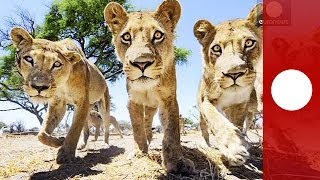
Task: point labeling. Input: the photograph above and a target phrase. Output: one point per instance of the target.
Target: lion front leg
(55, 114)
(204, 129)
(148, 119)
(228, 137)
(173, 159)
(66, 153)
(137, 120)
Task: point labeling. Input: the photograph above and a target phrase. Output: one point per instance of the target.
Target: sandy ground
(24, 157)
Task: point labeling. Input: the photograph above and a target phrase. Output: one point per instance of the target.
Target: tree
(17, 126)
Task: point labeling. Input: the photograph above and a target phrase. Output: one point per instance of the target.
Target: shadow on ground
(82, 166)
(212, 166)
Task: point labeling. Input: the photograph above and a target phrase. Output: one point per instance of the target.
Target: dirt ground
(24, 157)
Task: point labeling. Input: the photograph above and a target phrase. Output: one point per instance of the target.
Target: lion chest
(232, 96)
(145, 97)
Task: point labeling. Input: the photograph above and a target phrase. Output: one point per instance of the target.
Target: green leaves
(181, 55)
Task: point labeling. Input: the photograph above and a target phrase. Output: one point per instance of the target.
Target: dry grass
(25, 157)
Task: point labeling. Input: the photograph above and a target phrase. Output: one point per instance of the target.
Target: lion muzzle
(40, 81)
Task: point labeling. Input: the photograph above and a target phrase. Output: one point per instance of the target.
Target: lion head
(44, 65)
(144, 40)
(231, 49)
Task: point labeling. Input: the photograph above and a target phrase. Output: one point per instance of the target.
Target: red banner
(291, 41)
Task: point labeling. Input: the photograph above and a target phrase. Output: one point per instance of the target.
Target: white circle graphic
(291, 90)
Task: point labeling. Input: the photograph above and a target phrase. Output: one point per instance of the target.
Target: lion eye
(29, 60)
(57, 64)
(158, 36)
(249, 44)
(217, 49)
(126, 37)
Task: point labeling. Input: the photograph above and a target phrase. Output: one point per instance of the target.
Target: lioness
(96, 121)
(144, 44)
(58, 73)
(231, 51)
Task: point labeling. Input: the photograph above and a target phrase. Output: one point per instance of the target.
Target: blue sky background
(216, 11)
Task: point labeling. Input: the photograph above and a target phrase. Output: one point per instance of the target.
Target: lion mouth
(144, 78)
(39, 97)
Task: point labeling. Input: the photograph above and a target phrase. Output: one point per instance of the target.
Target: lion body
(58, 73)
(144, 44)
(96, 121)
(227, 95)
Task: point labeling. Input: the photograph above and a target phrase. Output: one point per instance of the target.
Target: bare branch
(13, 109)
(114, 74)
(8, 88)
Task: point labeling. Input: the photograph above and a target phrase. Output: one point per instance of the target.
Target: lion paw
(237, 156)
(235, 149)
(64, 157)
(182, 166)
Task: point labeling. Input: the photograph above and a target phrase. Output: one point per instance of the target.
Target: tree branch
(114, 74)
(8, 88)
(13, 109)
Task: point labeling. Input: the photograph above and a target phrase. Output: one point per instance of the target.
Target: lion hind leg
(116, 125)
(104, 109)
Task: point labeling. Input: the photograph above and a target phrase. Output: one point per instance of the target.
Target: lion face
(144, 40)
(44, 65)
(231, 50)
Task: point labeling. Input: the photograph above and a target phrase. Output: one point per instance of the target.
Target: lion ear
(256, 15)
(20, 36)
(115, 16)
(280, 45)
(202, 31)
(169, 13)
(72, 56)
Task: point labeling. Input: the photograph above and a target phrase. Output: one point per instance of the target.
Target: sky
(188, 75)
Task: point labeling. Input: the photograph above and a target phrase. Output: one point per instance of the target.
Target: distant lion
(96, 121)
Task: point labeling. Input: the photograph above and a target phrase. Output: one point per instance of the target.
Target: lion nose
(234, 76)
(39, 88)
(142, 65)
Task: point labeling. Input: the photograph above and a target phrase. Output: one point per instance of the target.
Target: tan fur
(96, 121)
(182, 124)
(227, 93)
(148, 62)
(58, 73)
